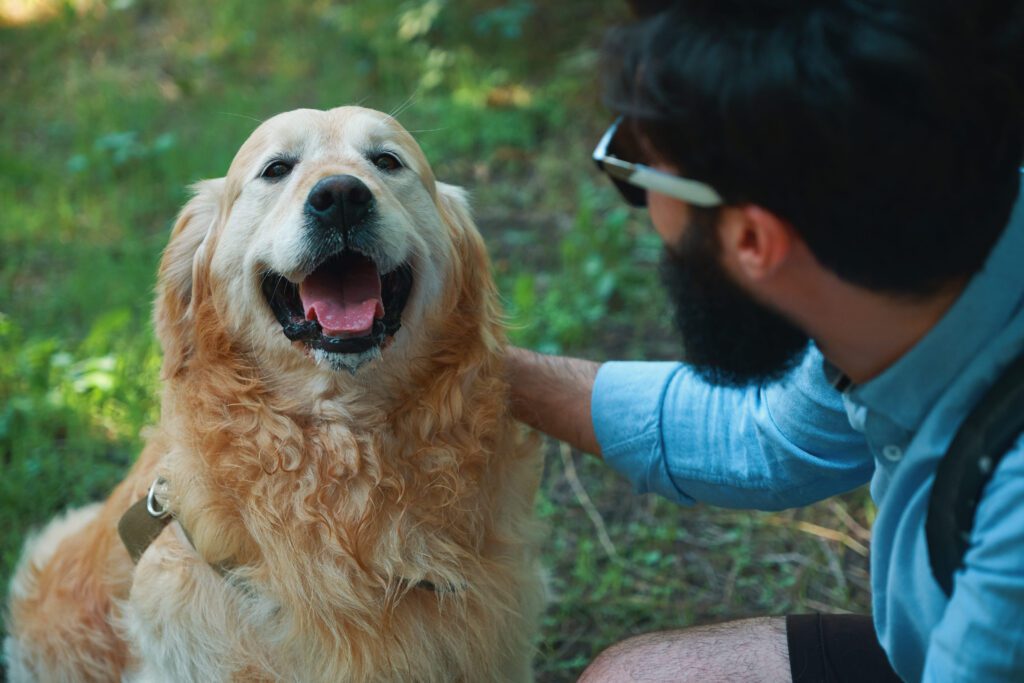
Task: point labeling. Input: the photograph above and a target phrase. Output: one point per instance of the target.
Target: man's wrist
(552, 394)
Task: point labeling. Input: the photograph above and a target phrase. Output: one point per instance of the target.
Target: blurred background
(111, 108)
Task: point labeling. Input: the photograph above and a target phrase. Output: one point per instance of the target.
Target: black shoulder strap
(983, 438)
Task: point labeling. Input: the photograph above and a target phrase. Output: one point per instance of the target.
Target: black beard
(729, 338)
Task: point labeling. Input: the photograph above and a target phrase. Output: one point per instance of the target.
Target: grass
(110, 114)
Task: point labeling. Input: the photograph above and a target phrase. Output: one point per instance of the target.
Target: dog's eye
(277, 169)
(386, 161)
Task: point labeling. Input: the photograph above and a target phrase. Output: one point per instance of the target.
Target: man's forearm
(552, 394)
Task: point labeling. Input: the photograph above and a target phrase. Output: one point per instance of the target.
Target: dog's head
(327, 246)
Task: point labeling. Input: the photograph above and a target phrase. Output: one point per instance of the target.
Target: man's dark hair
(888, 132)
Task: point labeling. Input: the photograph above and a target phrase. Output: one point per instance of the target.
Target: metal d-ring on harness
(986, 434)
(144, 521)
(155, 509)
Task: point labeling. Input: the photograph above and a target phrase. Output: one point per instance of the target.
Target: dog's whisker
(394, 113)
(240, 116)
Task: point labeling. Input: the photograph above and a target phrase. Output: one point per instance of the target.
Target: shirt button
(892, 453)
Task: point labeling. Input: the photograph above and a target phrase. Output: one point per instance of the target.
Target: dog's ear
(471, 260)
(454, 202)
(475, 294)
(172, 312)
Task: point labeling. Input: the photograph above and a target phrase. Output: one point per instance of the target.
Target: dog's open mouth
(344, 306)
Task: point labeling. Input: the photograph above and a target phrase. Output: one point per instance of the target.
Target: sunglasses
(633, 180)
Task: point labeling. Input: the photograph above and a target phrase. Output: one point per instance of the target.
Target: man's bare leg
(748, 651)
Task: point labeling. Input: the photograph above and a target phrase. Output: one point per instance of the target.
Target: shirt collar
(836, 377)
(907, 389)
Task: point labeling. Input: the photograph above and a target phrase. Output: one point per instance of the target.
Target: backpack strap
(984, 437)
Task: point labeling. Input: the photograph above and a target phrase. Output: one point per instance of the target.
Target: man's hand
(552, 394)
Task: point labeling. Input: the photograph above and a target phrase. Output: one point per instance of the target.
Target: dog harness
(146, 519)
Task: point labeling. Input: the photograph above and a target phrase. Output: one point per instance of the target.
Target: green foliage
(112, 151)
(70, 417)
(668, 567)
(595, 283)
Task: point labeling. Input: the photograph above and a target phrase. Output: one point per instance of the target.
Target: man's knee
(749, 650)
(625, 660)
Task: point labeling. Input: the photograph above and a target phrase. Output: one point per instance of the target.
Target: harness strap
(984, 437)
(143, 522)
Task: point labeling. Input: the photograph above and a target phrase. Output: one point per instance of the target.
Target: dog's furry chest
(353, 594)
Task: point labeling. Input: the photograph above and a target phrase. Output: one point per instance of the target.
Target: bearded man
(837, 185)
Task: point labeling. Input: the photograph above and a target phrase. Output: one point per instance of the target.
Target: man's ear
(755, 242)
(172, 311)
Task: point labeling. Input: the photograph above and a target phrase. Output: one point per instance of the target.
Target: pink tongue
(344, 296)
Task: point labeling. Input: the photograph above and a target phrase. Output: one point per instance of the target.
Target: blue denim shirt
(800, 440)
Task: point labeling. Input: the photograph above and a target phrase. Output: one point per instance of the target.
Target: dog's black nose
(340, 202)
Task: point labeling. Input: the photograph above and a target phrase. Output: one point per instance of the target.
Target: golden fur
(327, 494)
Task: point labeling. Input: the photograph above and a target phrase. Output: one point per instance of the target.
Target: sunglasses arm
(689, 191)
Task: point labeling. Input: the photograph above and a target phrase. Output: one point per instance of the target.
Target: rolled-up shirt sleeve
(783, 445)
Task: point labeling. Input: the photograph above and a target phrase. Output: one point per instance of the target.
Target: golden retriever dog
(348, 496)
